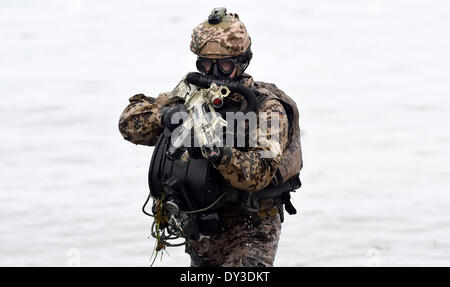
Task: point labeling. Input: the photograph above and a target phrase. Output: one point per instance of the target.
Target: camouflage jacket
(242, 168)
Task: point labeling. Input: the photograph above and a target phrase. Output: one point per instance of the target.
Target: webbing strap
(274, 191)
(250, 200)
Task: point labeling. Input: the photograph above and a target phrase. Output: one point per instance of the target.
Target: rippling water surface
(371, 79)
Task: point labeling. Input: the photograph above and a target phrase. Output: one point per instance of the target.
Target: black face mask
(217, 68)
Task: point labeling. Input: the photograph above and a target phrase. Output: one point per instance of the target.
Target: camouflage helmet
(222, 35)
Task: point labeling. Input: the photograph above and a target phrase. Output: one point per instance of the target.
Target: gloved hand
(196, 153)
(168, 112)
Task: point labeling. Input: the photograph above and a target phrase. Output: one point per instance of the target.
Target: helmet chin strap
(239, 72)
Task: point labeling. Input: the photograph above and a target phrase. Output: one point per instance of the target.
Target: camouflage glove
(167, 114)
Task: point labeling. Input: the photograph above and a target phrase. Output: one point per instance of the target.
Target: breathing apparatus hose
(205, 82)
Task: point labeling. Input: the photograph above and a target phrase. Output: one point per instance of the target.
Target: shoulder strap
(264, 97)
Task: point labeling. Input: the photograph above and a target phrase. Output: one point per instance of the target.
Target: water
(371, 79)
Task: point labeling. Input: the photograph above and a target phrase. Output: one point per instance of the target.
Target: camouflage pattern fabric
(243, 245)
(140, 122)
(288, 167)
(246, 169)
(229, 38)
(243, 168)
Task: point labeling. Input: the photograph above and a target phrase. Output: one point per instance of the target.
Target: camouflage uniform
(253, 240)
(242, 245)
(140, 123)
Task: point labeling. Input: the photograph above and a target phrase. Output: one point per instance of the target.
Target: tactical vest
(292, 161)
(199, 184)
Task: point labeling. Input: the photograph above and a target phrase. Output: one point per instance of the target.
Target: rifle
(200, 104)
(202, 95)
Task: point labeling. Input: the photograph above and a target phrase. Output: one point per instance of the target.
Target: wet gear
(242, 169)
(184, 184)
(242, 177)
(195, 194)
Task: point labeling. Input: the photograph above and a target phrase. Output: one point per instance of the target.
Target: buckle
(295, 182)
(251, 204)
